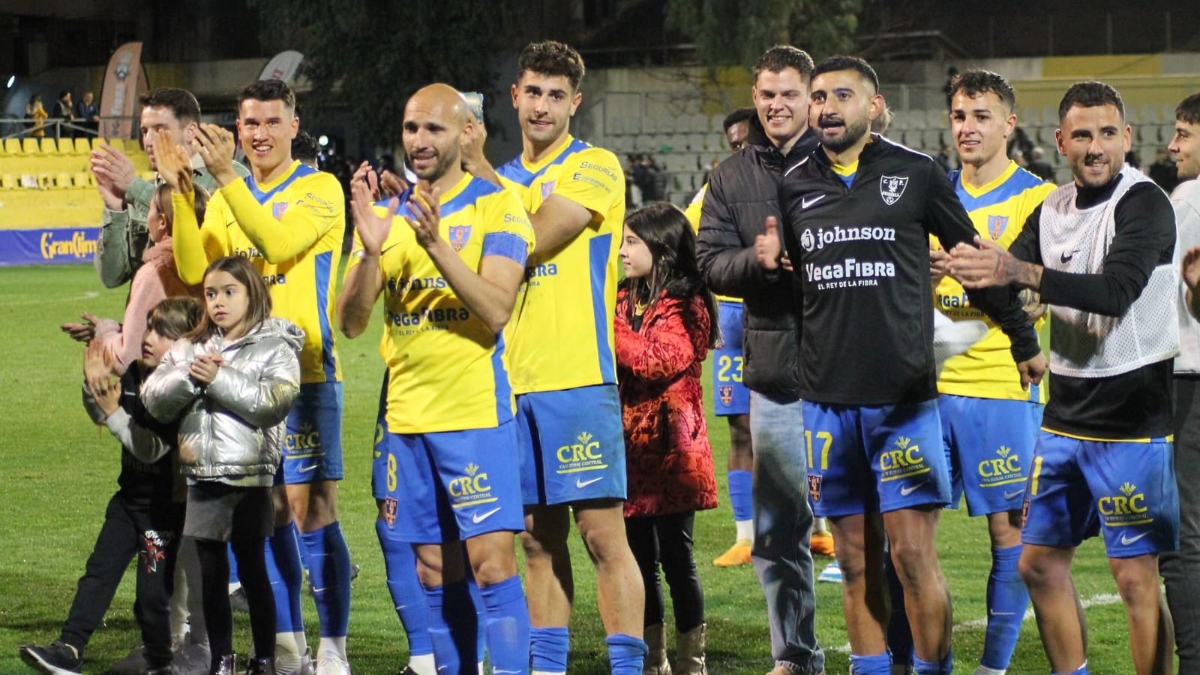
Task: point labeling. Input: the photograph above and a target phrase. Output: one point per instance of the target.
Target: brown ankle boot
(689, 651)
(656, 662)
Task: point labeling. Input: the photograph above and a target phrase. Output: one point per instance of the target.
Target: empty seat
(30, 146)
(8, 182)
(82, 146)
(84, 179)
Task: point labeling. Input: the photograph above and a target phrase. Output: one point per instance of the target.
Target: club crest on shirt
(996, 225)
(548, 188)
(726, 393)
(814, 487)
(278, 209)
(891, 188)
(391, 506)
(459, 234)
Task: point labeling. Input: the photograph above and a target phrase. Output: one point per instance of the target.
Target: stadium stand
(49, 184)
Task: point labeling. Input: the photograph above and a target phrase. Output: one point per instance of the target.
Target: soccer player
(731, 398)
(743, 192)
(449, 264)
(858, 213)
(288, 218)
(563, 370)
(1099, 251)
(1181, 570)
(127, 197)
(990, 422)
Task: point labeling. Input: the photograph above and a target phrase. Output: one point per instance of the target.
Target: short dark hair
(180, 102)
(834, 64)
(174, 317)
(976, 82)
(738, 116)
(268, 90)
(305, 148)
(1090, 95)
(551, 58)
(779, 57)
(1189, 110)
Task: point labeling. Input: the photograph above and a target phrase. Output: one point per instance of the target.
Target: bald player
(448, 258)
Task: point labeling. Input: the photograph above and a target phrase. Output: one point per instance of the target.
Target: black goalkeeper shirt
(862, 256)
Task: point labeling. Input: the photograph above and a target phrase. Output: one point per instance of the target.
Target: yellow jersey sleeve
(197, 245)
(986, 370)
(294, 227)
(593, 179)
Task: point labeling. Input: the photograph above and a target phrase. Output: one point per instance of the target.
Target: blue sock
(480, 613)
(329, 569)
(879, 664)
(946, 666)
(287, 578)
(740, 485)
(400, 563)
(1007, 598)
(233, 575)
(507, 626)
(453, 629)
(626, 654)
(1081, 671)
(550, 647)
(899, 633)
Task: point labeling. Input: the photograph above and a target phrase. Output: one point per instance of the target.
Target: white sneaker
(951, 338)
(832, 574)
(332, 663)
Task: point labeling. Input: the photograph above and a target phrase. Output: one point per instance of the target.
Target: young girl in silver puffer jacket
(231, 383)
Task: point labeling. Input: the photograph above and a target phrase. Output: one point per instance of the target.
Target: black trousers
(667, 541)
(1181, 569)
(151, 533)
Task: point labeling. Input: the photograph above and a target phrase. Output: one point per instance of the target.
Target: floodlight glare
(323, 140)
(11, 79)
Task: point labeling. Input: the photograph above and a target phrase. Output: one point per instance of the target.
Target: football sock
(549, 647)
(408, 597)
(507, 625)
(626, 654)
(1007, 598)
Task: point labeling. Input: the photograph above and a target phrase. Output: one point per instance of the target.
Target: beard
(852, 134)
(445, 160)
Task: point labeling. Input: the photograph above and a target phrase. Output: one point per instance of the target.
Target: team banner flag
(123, 82)
(282, 67)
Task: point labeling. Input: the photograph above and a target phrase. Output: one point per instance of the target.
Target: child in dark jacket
(663, 329)
(145, 517)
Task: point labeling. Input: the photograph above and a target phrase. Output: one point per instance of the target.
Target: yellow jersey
(291, 230)
(693, 212)
(999, 211)
(446, 369)
(563, 336)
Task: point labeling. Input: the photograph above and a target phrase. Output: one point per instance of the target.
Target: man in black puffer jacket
(742, 193)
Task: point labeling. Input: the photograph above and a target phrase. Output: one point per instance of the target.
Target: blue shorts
(572, 445)
(730, 396)
(874, 459)
(1077, 486)
(990, 444)
(312, 450)
(452, 485)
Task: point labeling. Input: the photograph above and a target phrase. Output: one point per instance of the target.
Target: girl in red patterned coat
(663, 330)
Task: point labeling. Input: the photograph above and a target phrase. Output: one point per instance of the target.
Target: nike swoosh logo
(1067, 258)
(992, 612)
(1125, 541)
(478, 518)
(306, 469)
(809, 201)
(909, 489)
(580, 483)
(1013, 495)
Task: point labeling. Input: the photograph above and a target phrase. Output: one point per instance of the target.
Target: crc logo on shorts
(726, 393)
(390, 506)
(1003, 469)
(304, 443)
(471, 489)
(585, 455)
(814, 487)
(459, 236)
(903, 460)
(1127, 508)
(891, 188)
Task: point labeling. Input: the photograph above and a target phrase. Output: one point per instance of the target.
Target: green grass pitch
(57, 471)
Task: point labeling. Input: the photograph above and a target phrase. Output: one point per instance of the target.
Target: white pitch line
(1097, 600)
